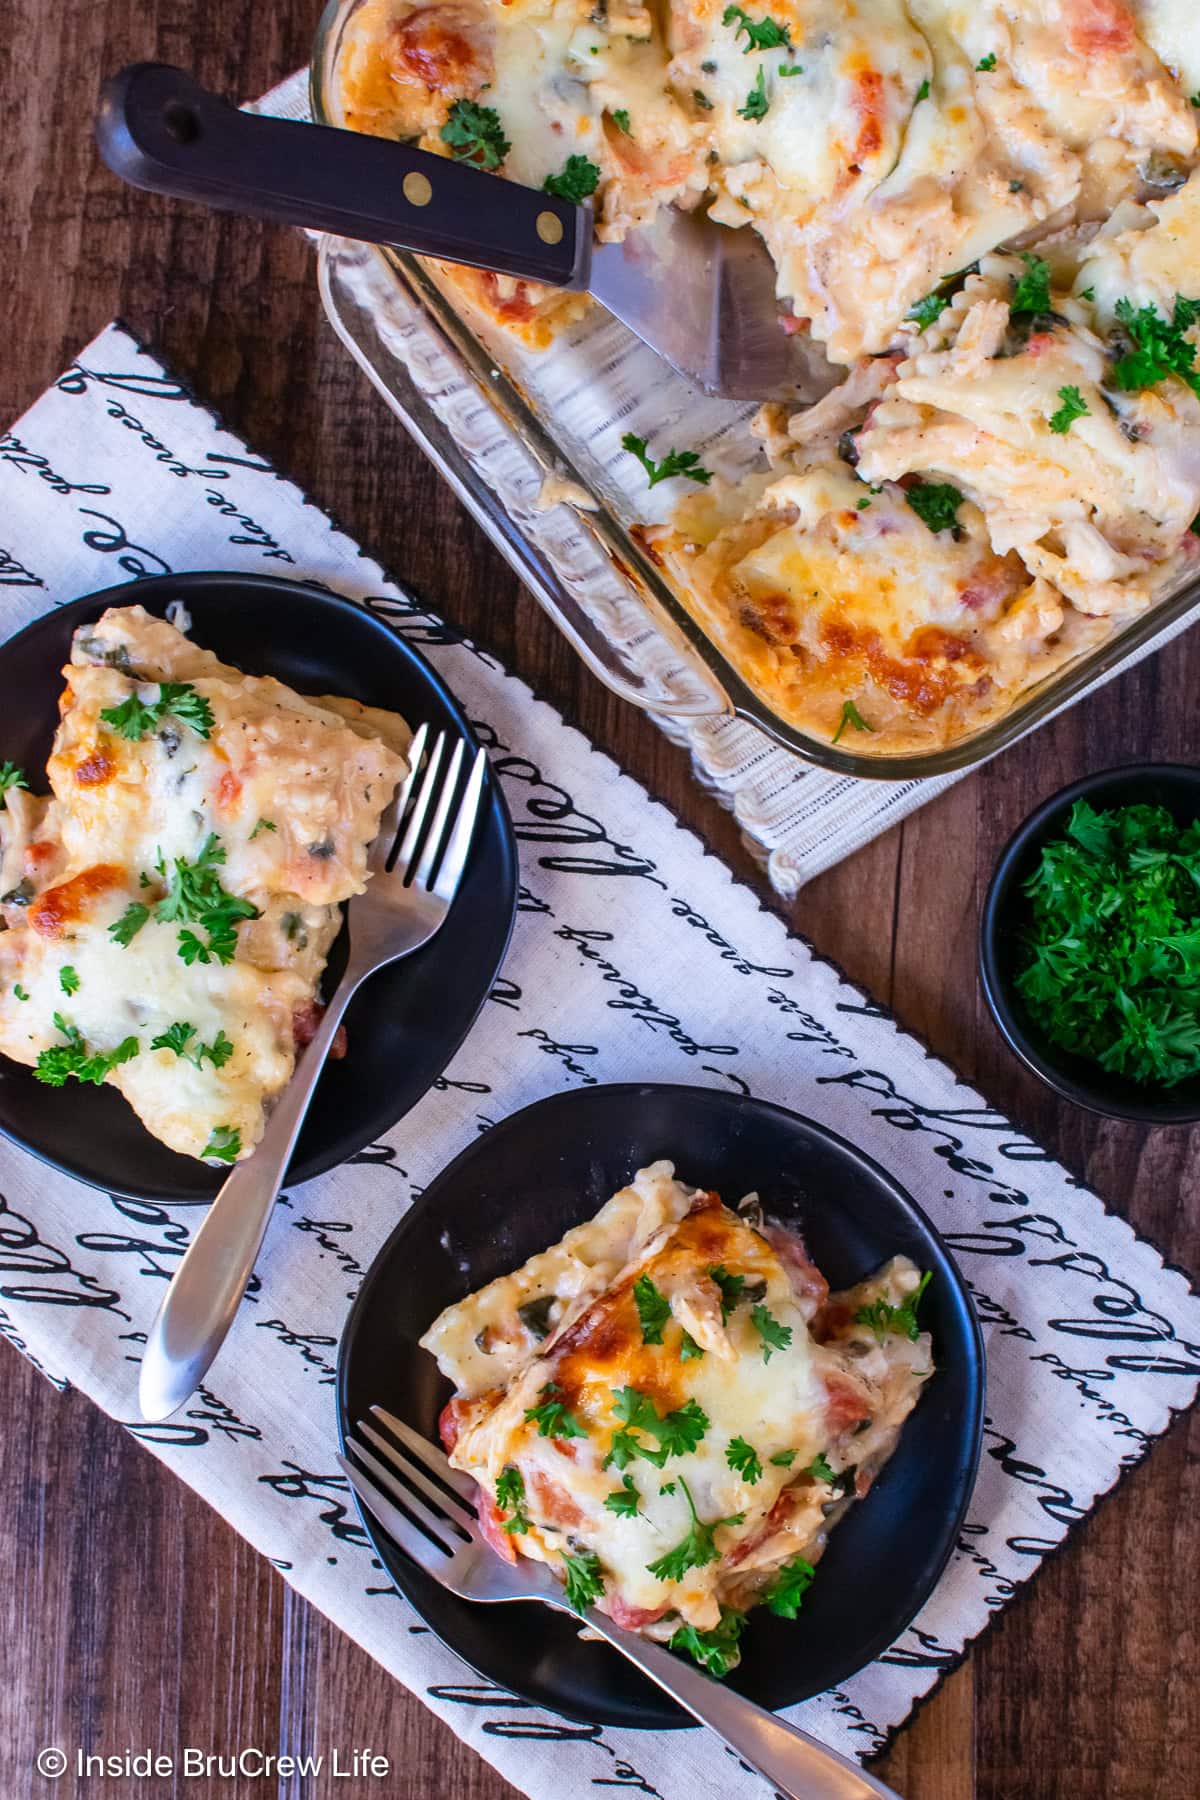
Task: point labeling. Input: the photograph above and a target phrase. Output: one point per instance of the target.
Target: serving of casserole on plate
(988, 215)
(170, 905)
(670, 1409)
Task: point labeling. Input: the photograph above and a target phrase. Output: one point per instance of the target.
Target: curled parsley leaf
(696, 1549)
(676, 462)
(551, 1417)
(126, 928)
(744, 1460)
(883, 1317)
(774, 1335)
(474, 134)
(68, 980)
(675, 1434)
(224, 1144)
(1031, 291)
(820, 1470)
(134, 718)
(1073, 407)
(757, 103)
(178, 1038)
(731, 1288)
(625, 1501)
(510, 1498)
(936, 504)
(73, 1057)
(789, 1587)
(653, 1309)
(577, 181)
(715, 1650)
(11, 777)
(585, 1583)
(1158, 347)
(761, 34)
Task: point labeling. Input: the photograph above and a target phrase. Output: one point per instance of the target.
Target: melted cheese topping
(567, 1325)
(291, 790)
(877, 146)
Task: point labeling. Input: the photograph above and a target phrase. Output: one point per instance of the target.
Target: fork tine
(454, 1506)
(437, 830)
(432, 1455)
(414, 1543)
(454, 861)
(446, 1532)
(389, 824)
(421, 805)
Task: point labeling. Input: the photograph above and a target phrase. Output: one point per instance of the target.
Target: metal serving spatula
(699, 294)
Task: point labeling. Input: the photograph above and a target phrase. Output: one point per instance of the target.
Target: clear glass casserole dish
(530, 441)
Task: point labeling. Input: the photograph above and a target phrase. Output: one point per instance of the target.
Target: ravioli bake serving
(168, 909)
(987, 211)
(671, 1410)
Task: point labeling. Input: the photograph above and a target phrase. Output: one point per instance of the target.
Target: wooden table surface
(130, 1615)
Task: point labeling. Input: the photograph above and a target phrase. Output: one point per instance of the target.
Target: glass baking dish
(508, 426)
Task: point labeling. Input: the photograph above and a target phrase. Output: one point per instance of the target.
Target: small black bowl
(1007, 915)
(517, 1189)
(406, 1022)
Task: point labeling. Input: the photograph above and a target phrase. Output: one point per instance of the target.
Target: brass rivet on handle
(417, 188)
(549, 228)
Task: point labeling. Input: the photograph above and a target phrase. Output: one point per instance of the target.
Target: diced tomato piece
(846, 1405)
(633, 1618)
(1097, 26)
(808, 1284)
(553, 1502)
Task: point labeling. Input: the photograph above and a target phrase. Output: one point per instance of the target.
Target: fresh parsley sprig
(820, 1470)
(510, 1498)
(744, 1460)
(696, 1549)
(789, 1587)
(715, 1650)
(134, 718)
(676, 462)
(675, 1434)
(761, 34)
(551, 1417)
(11, 777)
(883, 1317)
(653, 1309)
(936, 504)
(625, 1501)
(68, 980)
(474, 134)
(577, 181)
(1073, 407)
(73, 1057)
(731, 1288)
(774, 1335)
(195, 896)
(1158, 347)
(585, 1584)
(1031, 291)
(757, 103)
(178, 1038)
(224, 1144)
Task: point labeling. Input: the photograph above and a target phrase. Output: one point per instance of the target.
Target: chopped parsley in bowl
(1090, 943)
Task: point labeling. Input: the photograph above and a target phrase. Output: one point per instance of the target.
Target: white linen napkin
(636, 952)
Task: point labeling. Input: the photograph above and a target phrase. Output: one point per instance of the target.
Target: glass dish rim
(645, 584)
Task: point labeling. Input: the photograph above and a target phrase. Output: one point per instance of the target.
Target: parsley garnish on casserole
(677, 1490)
(169, 908)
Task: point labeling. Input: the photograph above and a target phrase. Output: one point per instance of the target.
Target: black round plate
(516, 1190)
(405, 1023)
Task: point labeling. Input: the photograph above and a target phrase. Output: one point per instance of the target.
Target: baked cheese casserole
(987, 211)
(168, 907)
(670, 1409)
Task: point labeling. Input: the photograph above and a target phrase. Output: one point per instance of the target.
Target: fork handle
(800, 1766)
(207, 1287)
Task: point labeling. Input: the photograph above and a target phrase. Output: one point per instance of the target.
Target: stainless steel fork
(406, 900)
(429, 1509)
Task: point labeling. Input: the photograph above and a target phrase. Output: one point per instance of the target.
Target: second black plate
(405, 1023)
(516, 1190)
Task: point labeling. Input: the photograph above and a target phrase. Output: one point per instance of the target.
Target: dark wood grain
(129, 1614)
